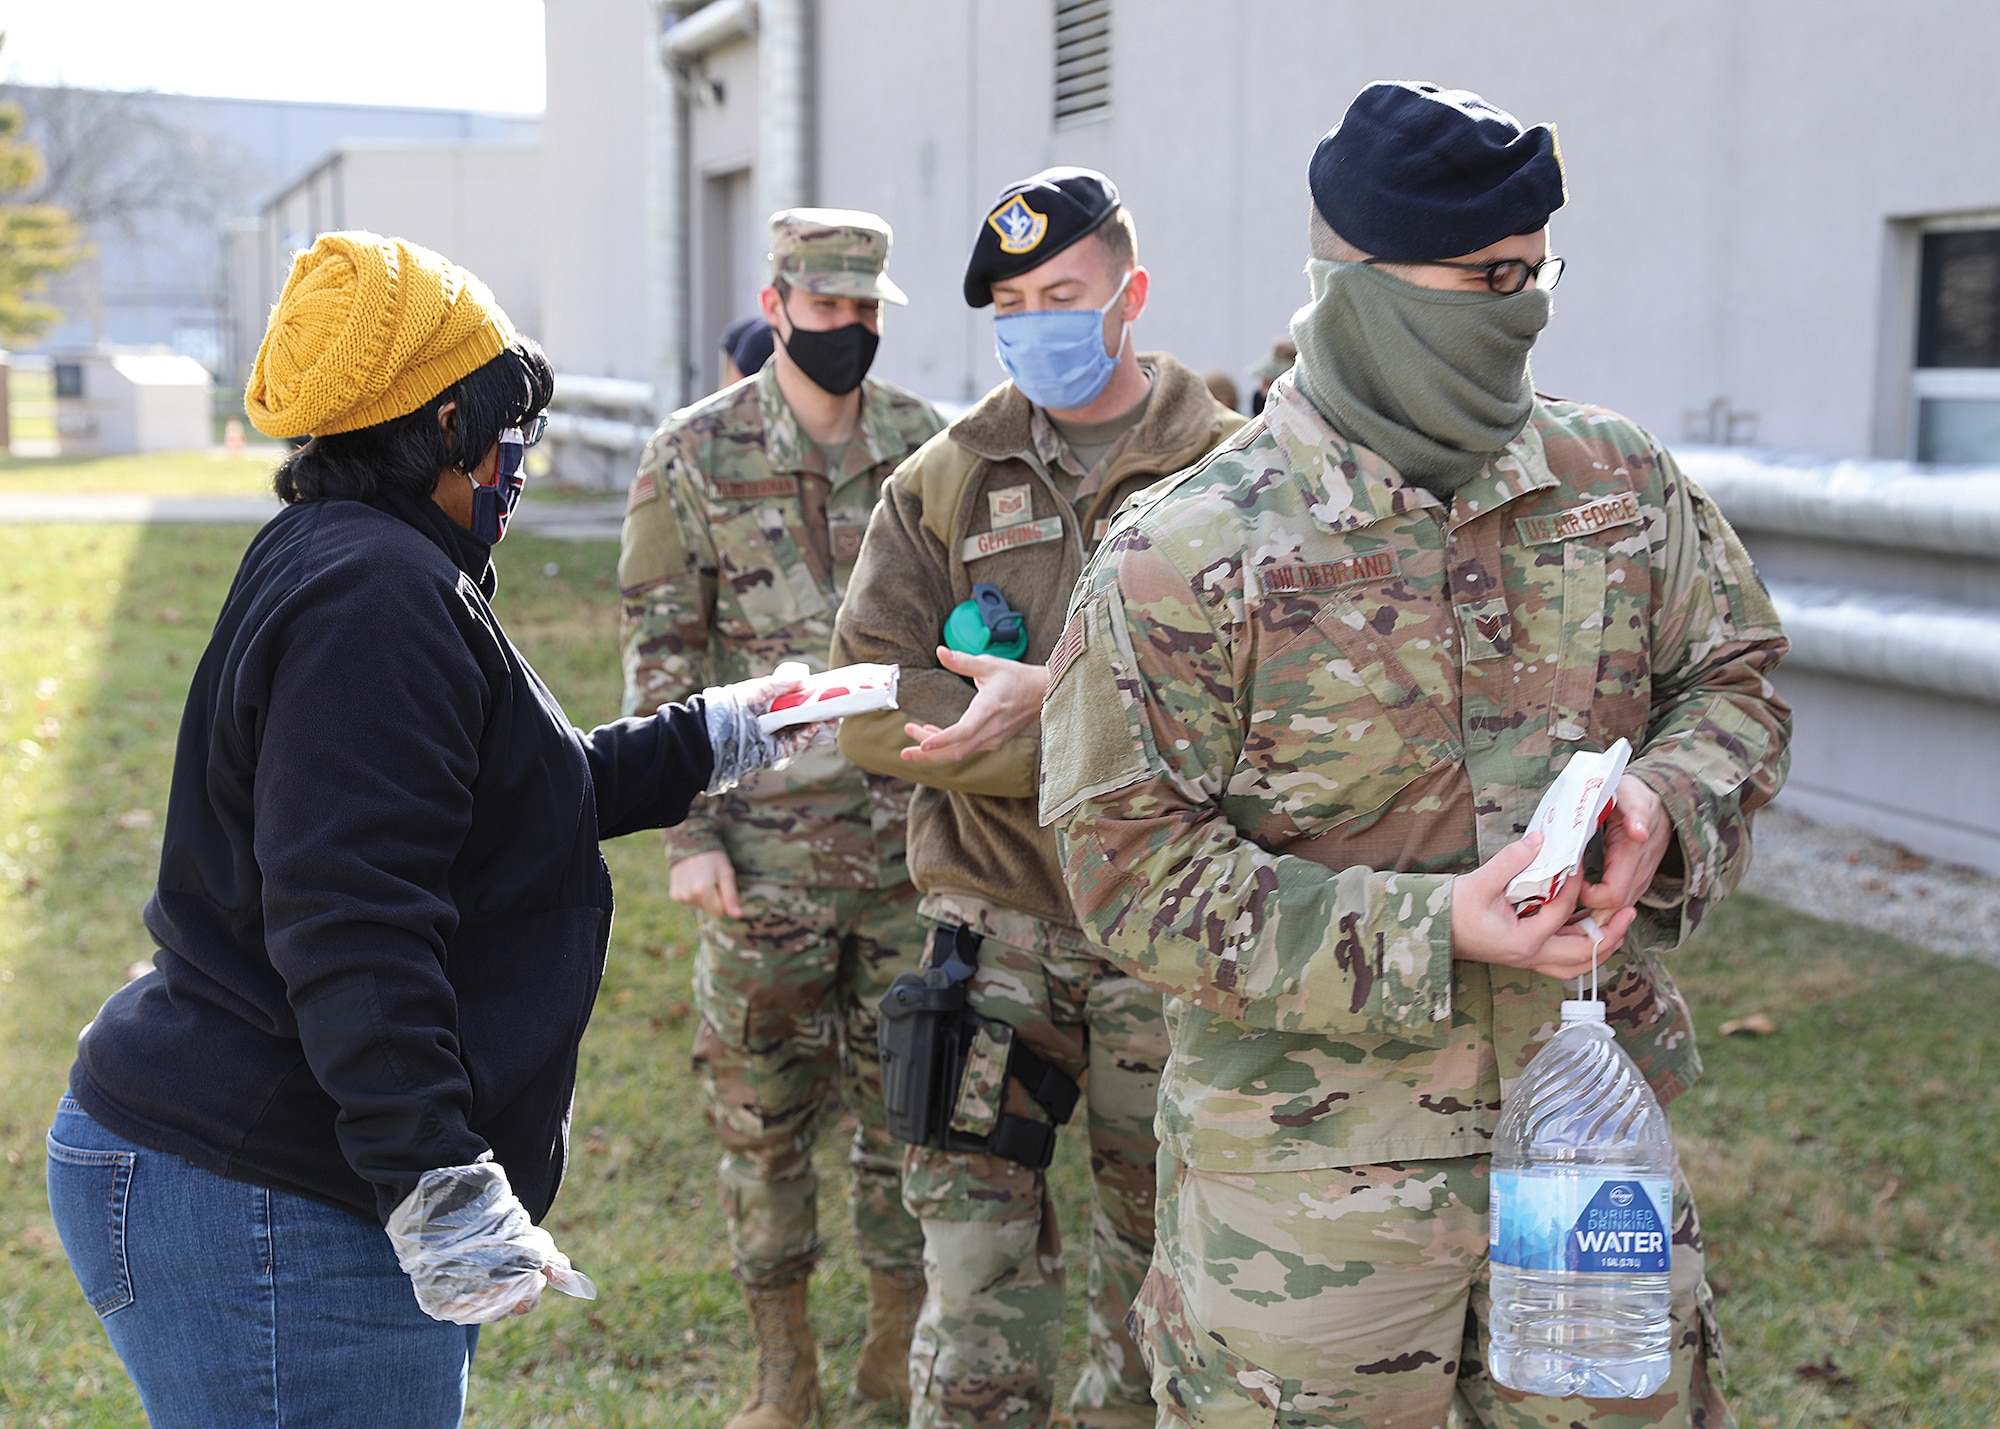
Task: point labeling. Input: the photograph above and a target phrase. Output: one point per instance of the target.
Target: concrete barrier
(598, 427)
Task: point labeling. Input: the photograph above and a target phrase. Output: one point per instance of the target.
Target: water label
(1594, 1223)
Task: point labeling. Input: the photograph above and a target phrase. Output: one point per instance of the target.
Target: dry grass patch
(1845, 1166)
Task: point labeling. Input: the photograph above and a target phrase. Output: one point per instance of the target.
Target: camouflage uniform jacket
(996, 498)
(1296, 695)
(737, 548)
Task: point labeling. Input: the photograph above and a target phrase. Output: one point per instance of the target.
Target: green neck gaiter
(1433, 382)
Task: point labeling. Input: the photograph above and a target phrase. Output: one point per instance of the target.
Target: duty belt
(932, 1038)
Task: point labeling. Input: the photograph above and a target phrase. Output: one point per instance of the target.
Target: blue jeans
(235, 1306)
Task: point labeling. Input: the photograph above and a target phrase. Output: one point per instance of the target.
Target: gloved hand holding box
(850, 690)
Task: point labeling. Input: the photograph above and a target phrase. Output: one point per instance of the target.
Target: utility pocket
(1339, 726)
(1582, 641)
(89, 1191)
(764, 581)
(983, 1086)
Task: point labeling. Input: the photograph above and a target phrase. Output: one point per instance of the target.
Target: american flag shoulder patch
(1067, 649)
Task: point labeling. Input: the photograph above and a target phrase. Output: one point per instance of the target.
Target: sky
(447, 54)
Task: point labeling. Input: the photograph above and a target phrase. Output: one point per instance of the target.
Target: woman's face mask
(493, 506)
(1057, 358)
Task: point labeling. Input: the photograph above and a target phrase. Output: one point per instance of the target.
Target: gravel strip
(1844, 876)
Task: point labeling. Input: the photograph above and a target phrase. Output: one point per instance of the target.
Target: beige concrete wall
(594, 201)
(471, 202)
(1745, 176)
(1735, 167)
(475, 203)
(729, 238)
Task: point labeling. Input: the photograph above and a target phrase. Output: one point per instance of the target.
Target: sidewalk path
(563, 520)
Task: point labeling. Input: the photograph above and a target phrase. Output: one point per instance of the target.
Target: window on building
(1956, 386)
(69, 379)
(1083, 60)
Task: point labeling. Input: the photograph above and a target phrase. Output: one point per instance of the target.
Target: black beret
(1034, 220)
(1416, 172)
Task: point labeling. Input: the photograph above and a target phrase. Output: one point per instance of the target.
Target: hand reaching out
(1009, 699)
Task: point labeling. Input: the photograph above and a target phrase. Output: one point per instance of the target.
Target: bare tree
(148, 191)
(116, 160)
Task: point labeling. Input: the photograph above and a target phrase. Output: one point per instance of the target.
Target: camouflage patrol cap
(835, 252)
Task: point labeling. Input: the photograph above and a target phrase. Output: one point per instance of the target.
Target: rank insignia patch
(1020, 227)
(1010, 505)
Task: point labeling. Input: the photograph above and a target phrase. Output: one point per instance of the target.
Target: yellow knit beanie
(368, 329)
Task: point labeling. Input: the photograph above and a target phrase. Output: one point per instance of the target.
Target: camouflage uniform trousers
(788, 997)
(1356, 1297)
(991, 1329)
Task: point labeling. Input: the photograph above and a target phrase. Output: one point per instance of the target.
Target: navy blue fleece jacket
(381, 912)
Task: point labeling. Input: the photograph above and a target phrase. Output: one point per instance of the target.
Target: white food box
(1570, 811)
(850, 690)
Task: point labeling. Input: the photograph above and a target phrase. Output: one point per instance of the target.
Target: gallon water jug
(1582, 1218)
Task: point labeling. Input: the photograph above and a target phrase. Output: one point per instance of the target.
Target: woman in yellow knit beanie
(397, 363)
(304, 1158)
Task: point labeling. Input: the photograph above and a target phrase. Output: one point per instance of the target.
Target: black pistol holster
(945, 1068)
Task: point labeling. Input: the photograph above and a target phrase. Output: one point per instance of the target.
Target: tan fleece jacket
(977, 504)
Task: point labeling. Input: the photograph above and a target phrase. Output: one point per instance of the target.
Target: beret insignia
(1020, 228)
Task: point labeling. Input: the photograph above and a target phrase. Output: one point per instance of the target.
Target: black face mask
(834, 361)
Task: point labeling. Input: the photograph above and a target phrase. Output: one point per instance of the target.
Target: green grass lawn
(1847, 1175)
(205, 473)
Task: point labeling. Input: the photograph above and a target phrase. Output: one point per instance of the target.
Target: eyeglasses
(1505, 276)
(531, 431)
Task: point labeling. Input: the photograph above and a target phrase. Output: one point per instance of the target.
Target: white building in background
(187, 272)
(1783, 229)
(111, 401)
(474, 202)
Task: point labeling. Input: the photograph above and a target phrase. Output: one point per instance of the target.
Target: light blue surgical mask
(1057, 358)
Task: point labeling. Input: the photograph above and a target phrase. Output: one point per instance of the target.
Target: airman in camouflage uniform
(1003, 498)
(740, 534)
(1302, 712)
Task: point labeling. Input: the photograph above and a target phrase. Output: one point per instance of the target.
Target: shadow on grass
(104, 627)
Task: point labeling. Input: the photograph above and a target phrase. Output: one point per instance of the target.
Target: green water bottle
(987, 625)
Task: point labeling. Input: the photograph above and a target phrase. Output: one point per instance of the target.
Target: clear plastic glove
(470, 1250)
(740, 747)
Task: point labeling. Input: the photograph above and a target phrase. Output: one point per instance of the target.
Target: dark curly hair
(406, 453)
